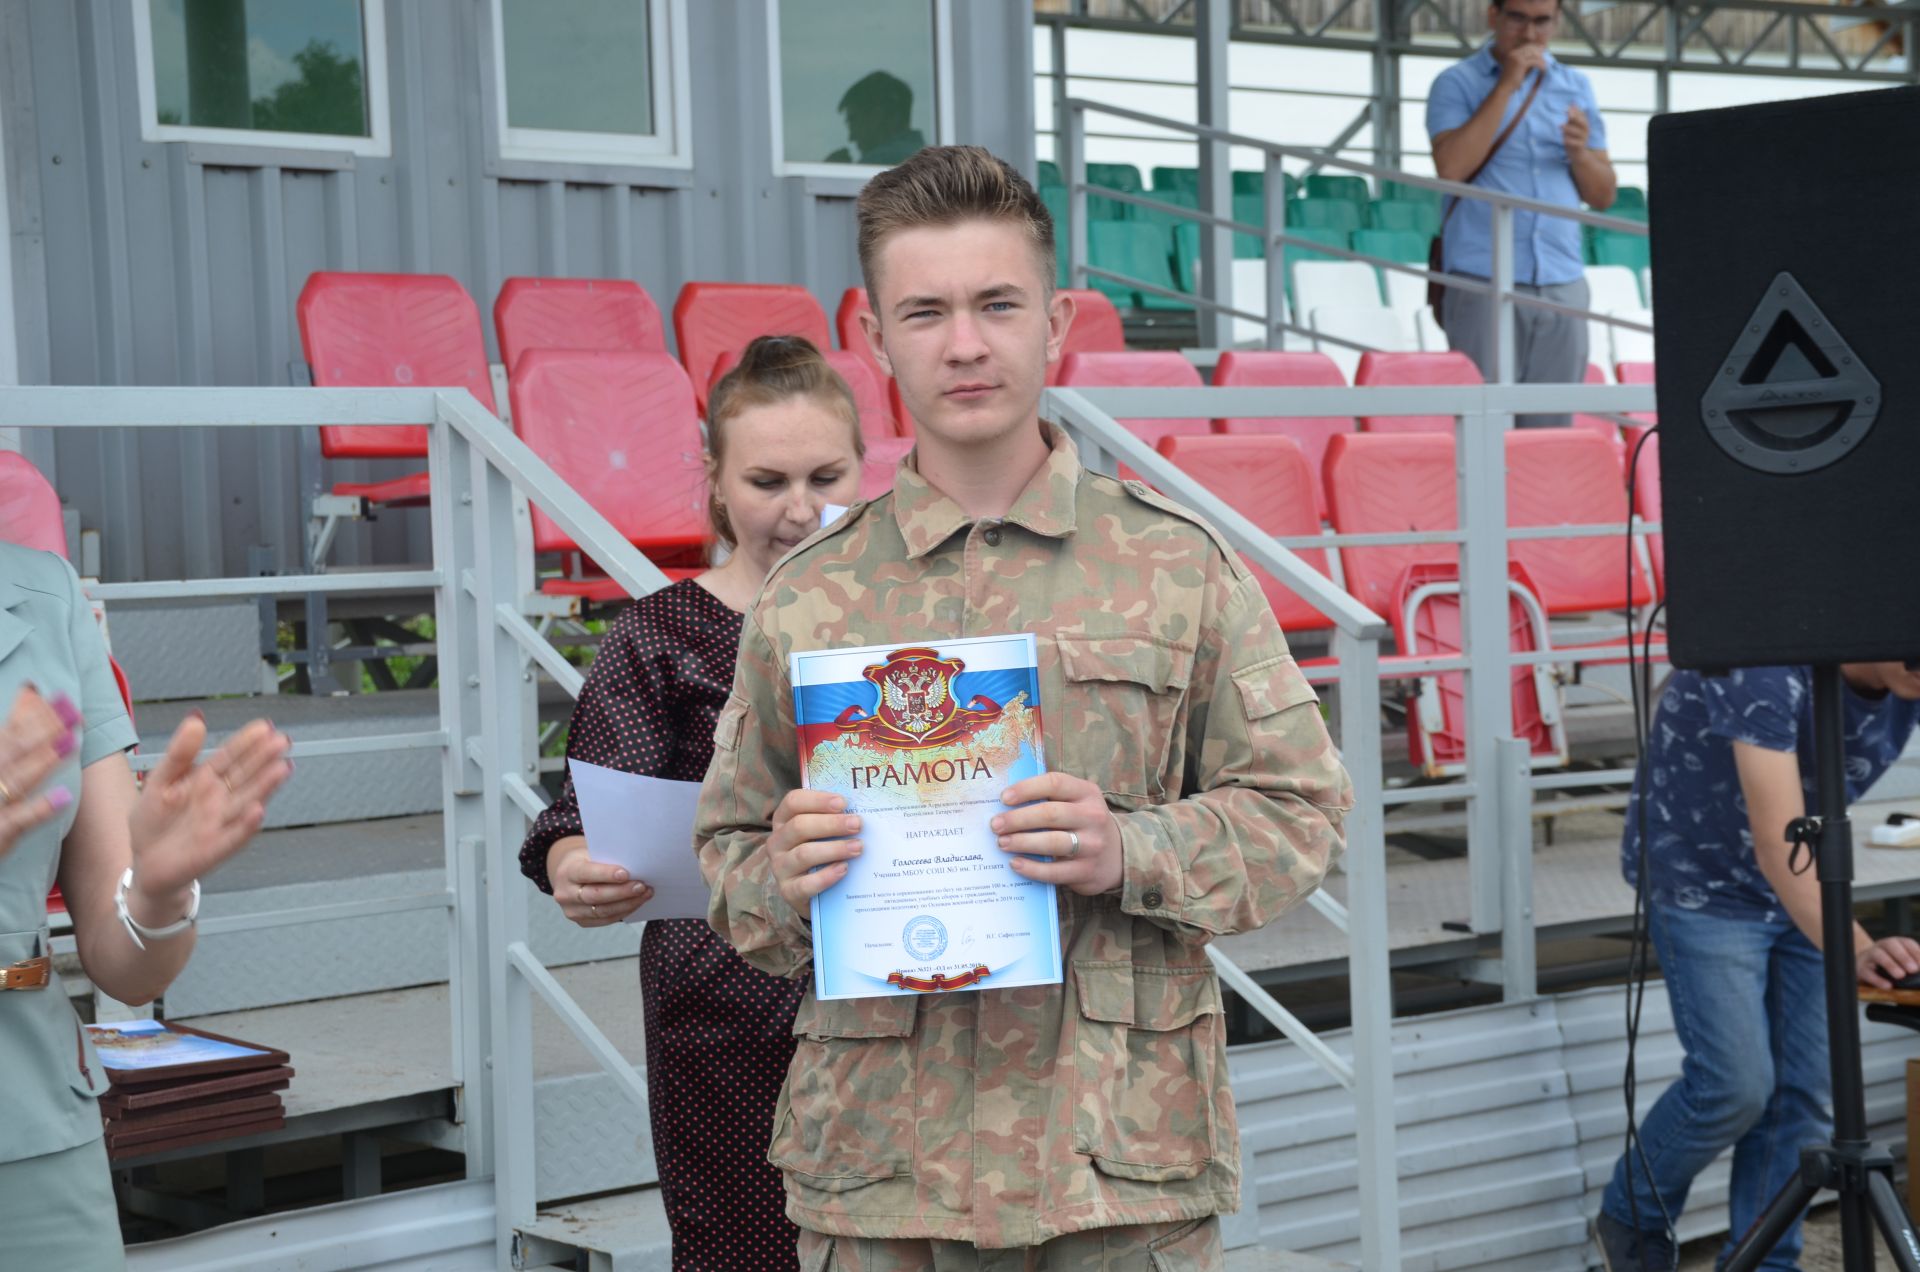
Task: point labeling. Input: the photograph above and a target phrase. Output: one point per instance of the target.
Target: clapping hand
(35, 737)
(193, 814)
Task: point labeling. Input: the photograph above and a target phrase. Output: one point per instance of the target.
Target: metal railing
(1215, 296)
(490, 655)
(1499, 781)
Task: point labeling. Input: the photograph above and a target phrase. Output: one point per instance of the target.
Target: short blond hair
(944, 185)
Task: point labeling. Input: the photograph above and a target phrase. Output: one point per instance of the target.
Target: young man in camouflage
(1194, 793)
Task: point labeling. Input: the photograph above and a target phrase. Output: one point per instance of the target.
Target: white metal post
(1369, 970)
(1502, 310)
(456, 624)
(1274, 223)
(1213, 24)
(1519, 961)
(503, 751)
(1480, 466)
(1073, 170)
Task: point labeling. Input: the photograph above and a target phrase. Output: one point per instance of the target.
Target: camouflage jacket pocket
(846, 1113)
(1123, 712)
(1143, 1100)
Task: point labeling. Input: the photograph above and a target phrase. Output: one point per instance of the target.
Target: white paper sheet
(646, 825)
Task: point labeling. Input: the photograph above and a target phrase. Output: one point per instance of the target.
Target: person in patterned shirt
(784, 441)
(1729, 763)
(1086, 1124)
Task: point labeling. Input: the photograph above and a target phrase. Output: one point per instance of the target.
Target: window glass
(294, 66)
(578, 65)
(856, 80)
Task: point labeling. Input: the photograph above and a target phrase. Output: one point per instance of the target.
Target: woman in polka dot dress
(784, 440)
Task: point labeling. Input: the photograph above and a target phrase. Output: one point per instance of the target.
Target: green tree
(329, 97)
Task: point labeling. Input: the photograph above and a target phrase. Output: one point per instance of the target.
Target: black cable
(1640, 673)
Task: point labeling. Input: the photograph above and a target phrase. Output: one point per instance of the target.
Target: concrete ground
(1821, 1254)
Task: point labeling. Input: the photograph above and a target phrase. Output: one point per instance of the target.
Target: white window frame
(943, 121)
(377, 144)
(670, 145)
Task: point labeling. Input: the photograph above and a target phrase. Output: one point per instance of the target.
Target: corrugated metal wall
(179, 263)
(1509, 1118)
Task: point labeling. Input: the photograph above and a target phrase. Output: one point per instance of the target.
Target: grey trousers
(1548, 348)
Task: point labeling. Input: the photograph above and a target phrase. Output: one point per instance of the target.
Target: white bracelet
(136, 930)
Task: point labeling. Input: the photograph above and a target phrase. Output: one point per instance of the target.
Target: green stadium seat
(1396, 214)
(1187, 179)
(1055, 197)
(1407, 246)
(1139, 251)
(1254, 182)
(1400, 192)
(1050, 173)
(1123, 177)
(1249, 209)
(1327, 185)
(1629, 197)
(1608, 247)
(1324, 214)
(1186, 253)
(1167, 221)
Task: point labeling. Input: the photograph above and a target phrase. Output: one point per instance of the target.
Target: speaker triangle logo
(1791, 395)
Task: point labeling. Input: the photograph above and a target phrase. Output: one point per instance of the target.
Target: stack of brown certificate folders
(219, 1088)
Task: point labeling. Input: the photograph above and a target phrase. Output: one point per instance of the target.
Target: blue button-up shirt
(1532, 163)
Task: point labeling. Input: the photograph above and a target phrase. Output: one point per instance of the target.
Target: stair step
(625, 1232)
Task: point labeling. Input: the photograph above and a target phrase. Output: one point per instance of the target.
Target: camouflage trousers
(1190, 1245)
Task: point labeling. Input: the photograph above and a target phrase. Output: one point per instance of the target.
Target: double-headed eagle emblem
(917, 707)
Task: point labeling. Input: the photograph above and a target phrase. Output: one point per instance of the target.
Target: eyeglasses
(1518, 21)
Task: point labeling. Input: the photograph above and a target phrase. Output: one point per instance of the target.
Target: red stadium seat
(1382, 370)
(1379, 483)
(846, 324)
(575, 313)
(1646, 497)
(1095, 329)
(1427, 624)
(621, 430)
(876, 416)
(29, 508)
(388, 331)
(710, 319)
(1637, 373)
(1599, 424)
(1137, 369)
(1571, 477)
(1287, 370)
(882, 461)
(1269, 480)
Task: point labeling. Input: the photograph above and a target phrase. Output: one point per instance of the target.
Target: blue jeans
(1749, 1005)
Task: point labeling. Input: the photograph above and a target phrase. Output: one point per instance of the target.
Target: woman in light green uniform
(128, 859)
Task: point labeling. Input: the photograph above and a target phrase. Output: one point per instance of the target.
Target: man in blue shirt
(1558, 154)
(1729, 764)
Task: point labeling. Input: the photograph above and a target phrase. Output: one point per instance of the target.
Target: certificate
(921, 741)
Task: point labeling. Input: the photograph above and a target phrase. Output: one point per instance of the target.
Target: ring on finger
(1073, 845)
(594, 910)
(6, 793)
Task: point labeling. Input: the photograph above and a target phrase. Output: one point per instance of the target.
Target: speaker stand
(1849, 1164)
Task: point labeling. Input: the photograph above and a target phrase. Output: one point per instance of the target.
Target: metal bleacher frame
(490, 655)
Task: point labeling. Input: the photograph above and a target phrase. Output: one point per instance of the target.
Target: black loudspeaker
(1787, 330)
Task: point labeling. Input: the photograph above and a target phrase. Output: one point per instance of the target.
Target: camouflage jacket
(1008, 1117)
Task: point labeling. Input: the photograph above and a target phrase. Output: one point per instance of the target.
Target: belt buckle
(32, 973)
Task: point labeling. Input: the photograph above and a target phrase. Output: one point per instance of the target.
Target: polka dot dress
(718, 1031)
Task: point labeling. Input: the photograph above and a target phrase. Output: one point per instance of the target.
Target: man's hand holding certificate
(913, 750)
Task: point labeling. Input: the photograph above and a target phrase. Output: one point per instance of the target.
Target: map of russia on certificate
(921, 741)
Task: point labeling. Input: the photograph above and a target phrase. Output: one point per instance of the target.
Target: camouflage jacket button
(992, 536)
(1151, 898)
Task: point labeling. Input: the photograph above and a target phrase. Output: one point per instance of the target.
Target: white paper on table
(644, 824)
